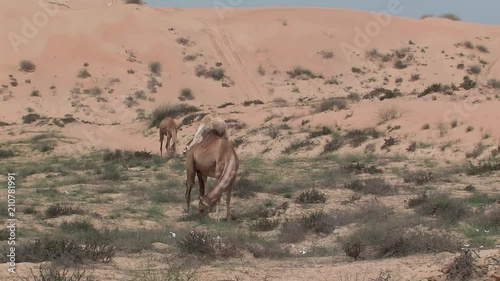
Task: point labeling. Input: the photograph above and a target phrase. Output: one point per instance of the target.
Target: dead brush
(356, 137)
(291, 232)
(69, 249)
(311, 196)
(58, 210)
(205, 244)
(371, 212)
(360, 168)
(462, 268)
(353, 247)
(321, 131)
(335, 104)
(401, 236)
(52, 273)
(449, 210)
(484, 166)
(247, 188)
(264, 224)
(418, 177)
(318, 222)
(375, 186)
(417, 201)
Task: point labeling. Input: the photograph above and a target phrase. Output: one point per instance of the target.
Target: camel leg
(228, 201)
(217, 210)
(219, 169)
(161, 144)
(201, 181)
(174, 141)
(190, 173)
(167, 145)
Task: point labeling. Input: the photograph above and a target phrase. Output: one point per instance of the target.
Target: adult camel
(213, 157)
(210, 121)
(168, 128)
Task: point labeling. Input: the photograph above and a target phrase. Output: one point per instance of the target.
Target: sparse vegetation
(353, 137)
(468, 83)
(474, 69)
(450, 16)
(83, 73)
(436, 88)
(190, 57)
(298, 144)
(183, 41)
(387, 113)
(494, 83)
(482, 48)
(356, 70)
(6, 153)
(383, 94)
(27, 66)
(332, 81)
(326, 54)
(261, 70)
(399, 64)
(415, 77)
(321, 131)
(173, 111)
(31, 117)
(250, 102)
(332, 104)
(216, 73)
(353, 97)
(312, 196)
(94, 91)
(155, 68)
(224, 105)
(301, 73)
(186, 94)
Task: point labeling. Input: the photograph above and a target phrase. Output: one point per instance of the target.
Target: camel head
(203, 207)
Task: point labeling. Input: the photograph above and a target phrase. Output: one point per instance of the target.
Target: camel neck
(214, 195)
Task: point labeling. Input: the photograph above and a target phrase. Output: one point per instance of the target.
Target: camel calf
(168, 128)
(213, 157)
(209, 121)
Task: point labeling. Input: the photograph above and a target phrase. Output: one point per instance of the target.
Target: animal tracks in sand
(225, 49)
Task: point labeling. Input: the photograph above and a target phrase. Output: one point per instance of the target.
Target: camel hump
(219, 127)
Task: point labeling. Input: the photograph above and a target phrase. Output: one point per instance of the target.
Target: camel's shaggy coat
(209, 121)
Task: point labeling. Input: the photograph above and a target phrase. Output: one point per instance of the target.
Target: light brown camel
(213, 157)
(210, 121)
(168, 128)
